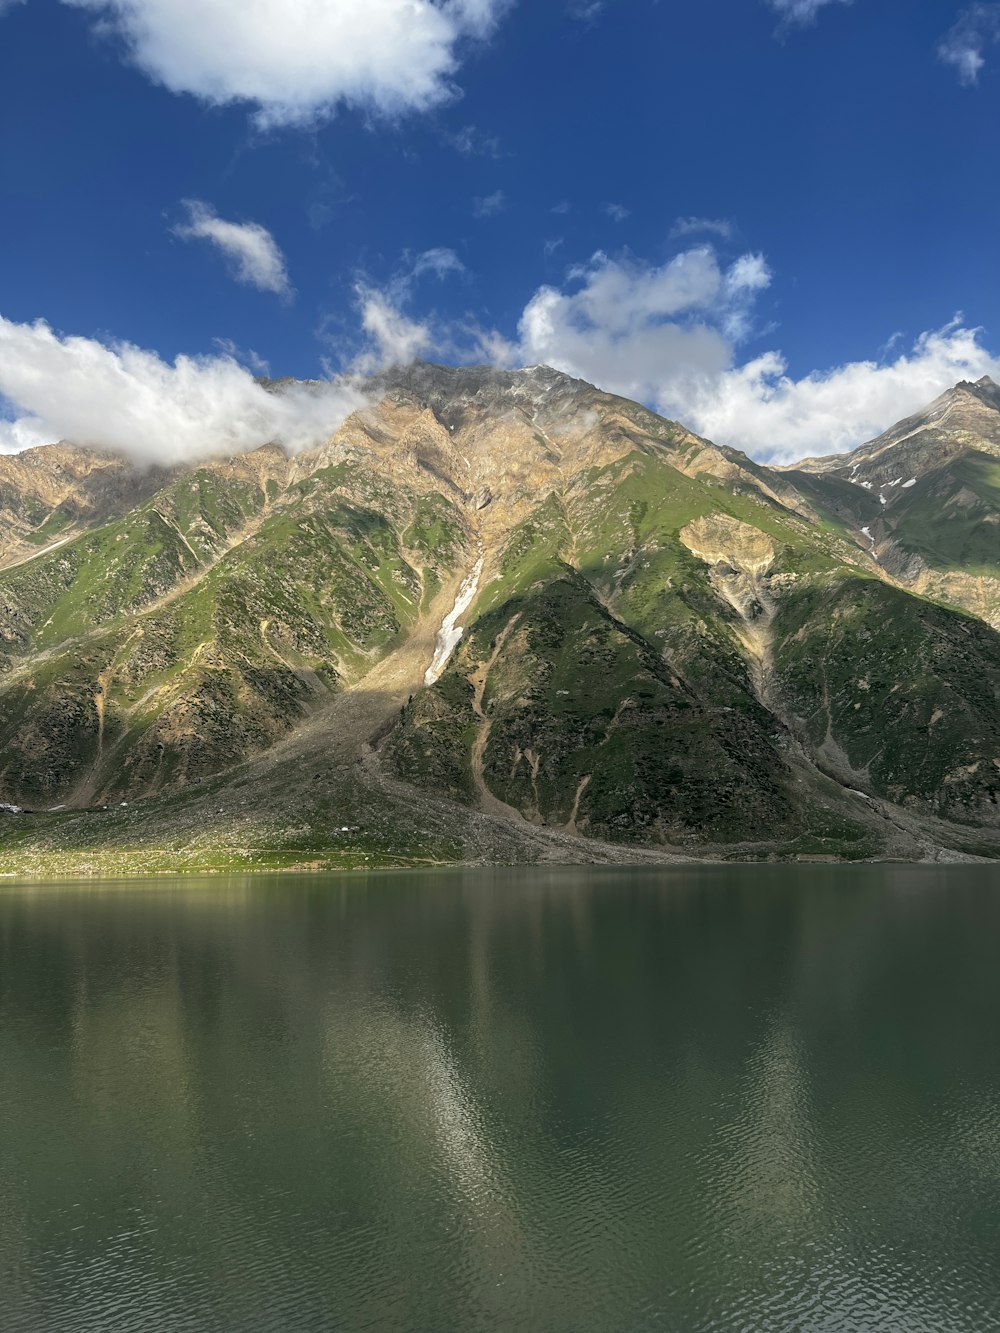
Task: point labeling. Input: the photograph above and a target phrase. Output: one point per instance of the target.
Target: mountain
(925, 498)
(668, 650)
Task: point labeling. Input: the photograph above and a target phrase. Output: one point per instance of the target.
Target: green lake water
(573, 1101)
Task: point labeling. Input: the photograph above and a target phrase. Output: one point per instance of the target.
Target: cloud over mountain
(670, 336)
(123, 398)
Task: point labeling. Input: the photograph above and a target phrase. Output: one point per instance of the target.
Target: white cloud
(617, 212)
(252, 251)
(801, 13)
(122, 398)
(389, 335)
(759, 408)
(297, 61)
(393, 338)
(473, 143)
(586, 10)
(22, 433)
(439, 261)
(5, 7)
(489, 205)
(669, 337)
(710, 226)
(964, 45)
(246, 356)
(634, 327)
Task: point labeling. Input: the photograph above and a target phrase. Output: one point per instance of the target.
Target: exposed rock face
(924, 498)
(664, 643)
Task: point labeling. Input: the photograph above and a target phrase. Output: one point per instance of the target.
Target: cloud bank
(252, 251)
(963, 46)
(122, 398)
(297, 61)
(128, 400)
(670, 336)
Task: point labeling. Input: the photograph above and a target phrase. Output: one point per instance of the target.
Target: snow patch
(908, 484)
(450, 633)
(11, 809)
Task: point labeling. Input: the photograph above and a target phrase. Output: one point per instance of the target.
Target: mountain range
(501, 617)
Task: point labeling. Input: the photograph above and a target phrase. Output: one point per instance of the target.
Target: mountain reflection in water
(707, 1099)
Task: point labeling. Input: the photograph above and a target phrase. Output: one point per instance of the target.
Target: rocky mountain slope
(667, 649)
(925, 497)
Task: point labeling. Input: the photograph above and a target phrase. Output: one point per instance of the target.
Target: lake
(580, 1101)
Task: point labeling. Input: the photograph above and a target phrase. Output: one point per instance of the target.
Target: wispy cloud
(5, 7)
(720, 227)
(474, 143)
(801, 13)
(386, 334)
(489, 205)
(297, 61)
(617, 212)
(246, 356)
(964, 46)
(586, 11)
(253, 254)
(440, 261)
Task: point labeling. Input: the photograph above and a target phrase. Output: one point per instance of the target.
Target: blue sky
(774, 219)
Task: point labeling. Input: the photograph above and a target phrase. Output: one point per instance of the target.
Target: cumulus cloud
(21, 433)
(801, 13)
(632, 326)
(963, 46)
(297, 61)
(669, 336)
(122, 398)
(761, 409)
(251, 250)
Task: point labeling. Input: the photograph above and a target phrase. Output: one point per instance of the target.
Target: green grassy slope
(620, 691)
(200, 628)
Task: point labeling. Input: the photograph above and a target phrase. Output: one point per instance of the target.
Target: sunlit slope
(200, 628)
(669, 646)
(924, 498)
